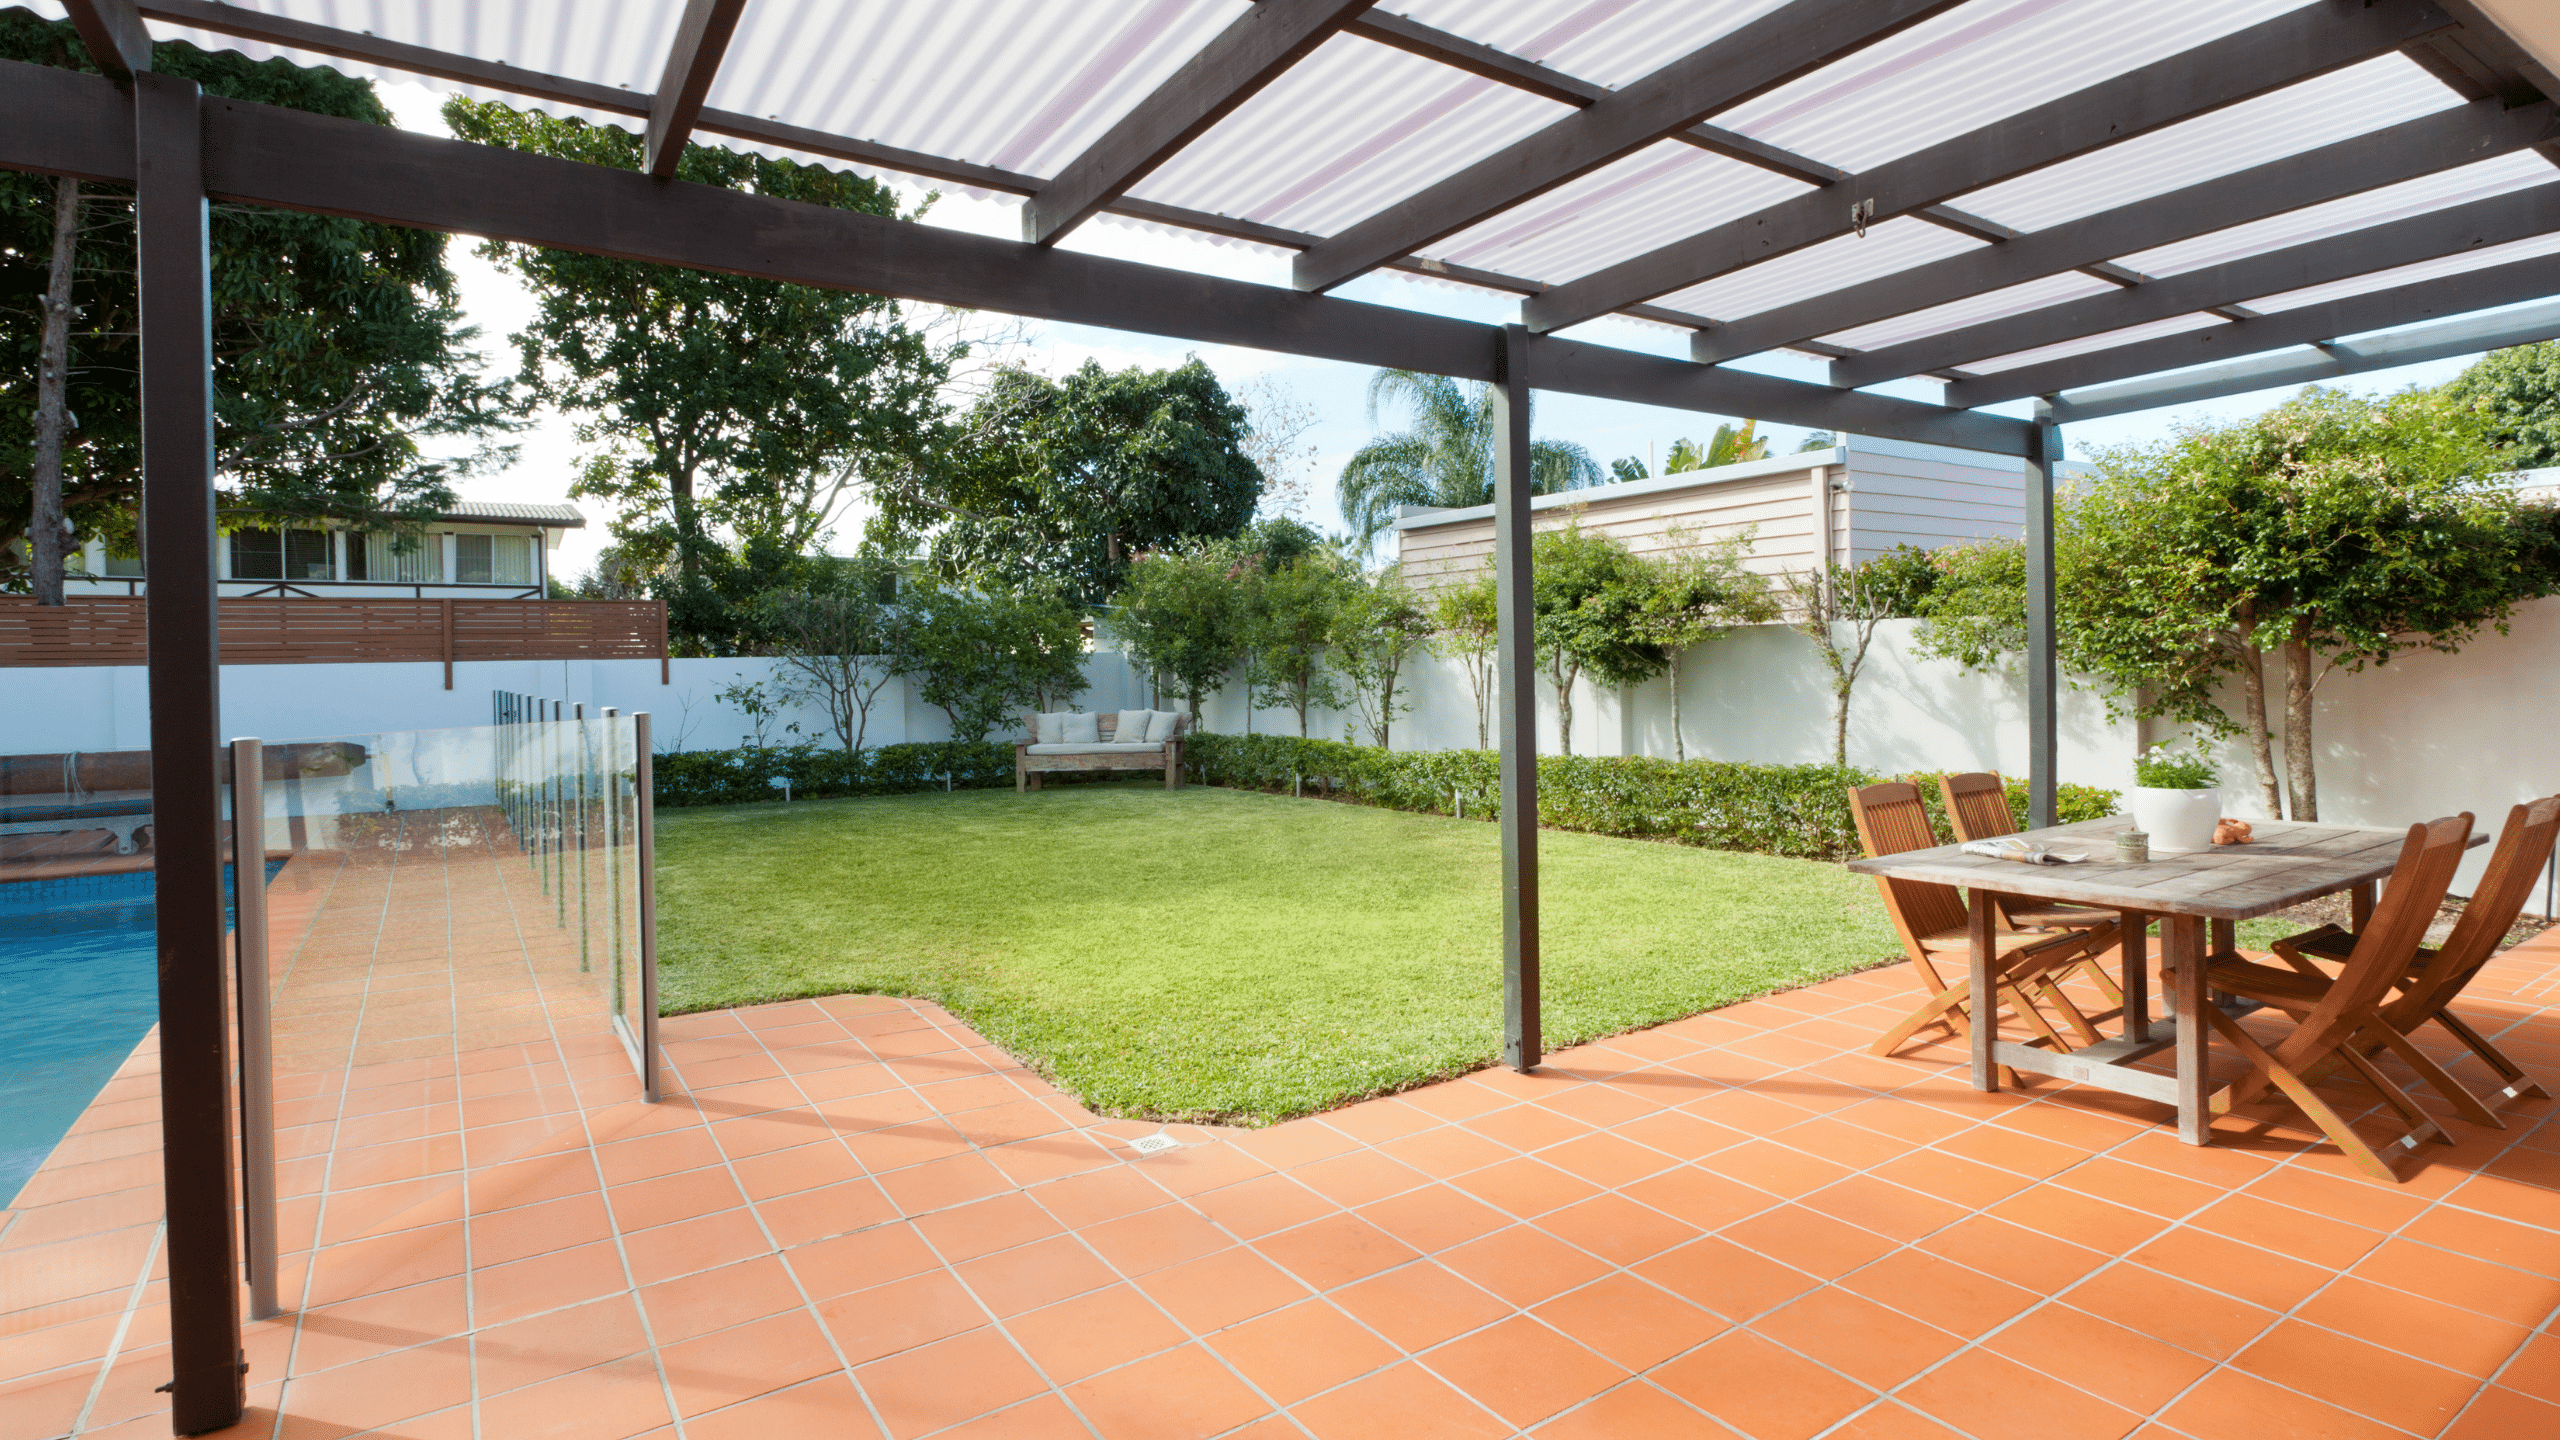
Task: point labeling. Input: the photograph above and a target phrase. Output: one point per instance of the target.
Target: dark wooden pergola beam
(1258, 48)
(64, 123)
(114, 32)
(702, 37)
(2452, 295)
(2289, 49)
(2453, 231)
(1792, 42)
(2425, 146)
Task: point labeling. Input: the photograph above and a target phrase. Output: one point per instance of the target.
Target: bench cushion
(1097, 747)
(1079, 728)
(1131, 726)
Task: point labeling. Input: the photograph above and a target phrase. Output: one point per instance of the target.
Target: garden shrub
(1793, 810)
(740, 777)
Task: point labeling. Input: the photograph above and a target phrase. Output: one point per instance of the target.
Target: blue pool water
(79, 988)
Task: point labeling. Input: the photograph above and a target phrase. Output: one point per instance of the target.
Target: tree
(1466, 627)
(1696, 594)
(1589, 592)
(1290, 616)
(2517, 394)
(1728, 446)
(1445, 458)
(1180, 615)
(1375, 632)
(1975, 609)
(841, 642)
(2333, 529)
(731, 414)
(1275, 440)
(339, 358)
(1828, 601)
(1065, 482)
(982, 656)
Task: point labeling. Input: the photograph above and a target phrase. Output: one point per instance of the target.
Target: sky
(549, 454)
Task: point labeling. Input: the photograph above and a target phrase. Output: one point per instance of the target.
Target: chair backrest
(2524, 843)
(1891, 819)
(2390, 938)
(1977, 806)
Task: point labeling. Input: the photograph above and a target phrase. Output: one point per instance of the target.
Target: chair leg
(1946, 1007)
(2358, 1153)
(2520, 1086)
(2422, 1126)
(2464, 1103)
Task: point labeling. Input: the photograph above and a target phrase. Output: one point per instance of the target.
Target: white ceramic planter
(2176, 819)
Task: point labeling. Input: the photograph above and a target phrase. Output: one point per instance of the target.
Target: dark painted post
(2044, 447)
(1516, 703)
(185, 675)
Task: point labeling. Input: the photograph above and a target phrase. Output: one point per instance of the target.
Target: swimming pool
(79, 988)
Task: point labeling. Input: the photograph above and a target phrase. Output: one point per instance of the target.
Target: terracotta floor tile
(2169, 1309)
(1524, 1265)
(711, 1300)
(939, 1385)
(1404, 1402)
(1843, 1143)
(1153, 1239)
(1952, 1297)
(546, 1282)
(361, 1329)
(384, 1390)
(2502, 1414)
(1759, 1389)
(1221, 1289)
(1705, 1200)
(2455, 1279)
(1285, 1147)
(1031, 1162)
(966, 1232)
(1335, 1251)
(2024, 1257)
(527, 1352)
(1084, 1200)
(2442, 1334)
(1884, 1207)
(1808, 1240)
(2132, 1370)
(2534, 1370)
(804, 1167)
(530, 1230)
(2231, 1402)
(1857, 1337)
(1992, 1397)
(607, 1403)
(389, 1262)
(826, 1408)
(1380, 1120)
(2101, 1225)
(1434, 1217)
(1779, 1169)
(1522, 1370)
(1524, 1187)
(1887, 1420)
(1093, 1332)
(1029, 1276)
(840, 1209)
(1628, 1321)
(845, 1263)
(2485, 1237)
(1616, 1229)
(1610, 1160)
(1301, 1350)
(941, 1184)
(628, 1160)
(2370, 1381)
(2008, 1148)
(1042, 1417)
(1953, 1178)
(1359, 1178)
(900, 1316)
(2261, 1277)
(1725, 1278)
(2357, 1201)
(1420, 1305)
(1610, 1102)
(2317, 1239)
(1196, 1168)
(1180, 1395)
(1632, 1409)
(1259, 1206)
(1448, 1151)
(689, 1245)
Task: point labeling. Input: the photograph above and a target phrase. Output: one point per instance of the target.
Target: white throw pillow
(1162, 724)
(1045, 727)
(1079, 728)
(1132, 727)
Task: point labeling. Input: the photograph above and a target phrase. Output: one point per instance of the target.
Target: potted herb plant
(2176, 798)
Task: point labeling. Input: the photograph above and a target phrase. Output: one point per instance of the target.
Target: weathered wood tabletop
(2285, 864)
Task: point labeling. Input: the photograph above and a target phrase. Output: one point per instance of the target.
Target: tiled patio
(854, 1217)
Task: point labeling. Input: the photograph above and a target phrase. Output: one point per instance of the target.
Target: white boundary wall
(2425, 735)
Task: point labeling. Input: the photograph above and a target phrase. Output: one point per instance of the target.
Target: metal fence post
(641, 783)
(2042, 670)
(257, 1051)
(1523, 1044)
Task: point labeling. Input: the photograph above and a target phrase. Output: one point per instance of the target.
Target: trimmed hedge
(741, 777)
(1793, 810)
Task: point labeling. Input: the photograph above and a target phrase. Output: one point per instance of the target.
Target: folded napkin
(2022, 852)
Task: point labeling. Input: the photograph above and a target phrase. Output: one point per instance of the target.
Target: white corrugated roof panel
(1887, 247)
(2469, 260)
(2443, 190)
(1974, 310)
(1606, 215)
(2109, 340)
(1607, 42)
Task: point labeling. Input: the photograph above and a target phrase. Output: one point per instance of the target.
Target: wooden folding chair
(1930, 918)
(2438, 976)
(1978, 809)
(2336, 1019)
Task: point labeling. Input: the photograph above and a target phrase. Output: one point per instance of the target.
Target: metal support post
(2043, 671)
(207, 1387)
(648, 827)
(257, 1053)
(585, 758)
(1516, 703)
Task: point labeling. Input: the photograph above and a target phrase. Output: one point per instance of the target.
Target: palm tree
(1728, 447)
(1446, 458)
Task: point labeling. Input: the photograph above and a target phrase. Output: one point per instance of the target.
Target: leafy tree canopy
(1066, 481)
(1180, 615)
(345, 383)
(1445, 458)
(1590, 593)
(2517, 394)
(731, 414)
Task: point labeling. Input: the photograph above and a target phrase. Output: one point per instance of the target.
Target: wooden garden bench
(1041, 754)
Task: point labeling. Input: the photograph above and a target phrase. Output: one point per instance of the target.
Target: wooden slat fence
(108, 630)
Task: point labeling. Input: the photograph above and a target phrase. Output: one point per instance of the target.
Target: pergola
(2097, 206)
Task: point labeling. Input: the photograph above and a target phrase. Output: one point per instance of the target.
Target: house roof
(516, 512)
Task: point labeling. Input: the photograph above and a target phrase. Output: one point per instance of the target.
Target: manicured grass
(1212, 953)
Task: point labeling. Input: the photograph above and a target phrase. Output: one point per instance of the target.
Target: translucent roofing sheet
(2174, 325)
(1607, 42)
(1887, 247)
(2469, 260)
(2442, 190)
(1974, 310)
(1610, 214)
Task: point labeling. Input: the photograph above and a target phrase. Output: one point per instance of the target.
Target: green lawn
(1212, 953)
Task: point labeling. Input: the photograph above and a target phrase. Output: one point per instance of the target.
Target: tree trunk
(1564, 713)
(2299, 779)
(1840, 725)
(1678, 751)
(2253, 689)
(46, 539)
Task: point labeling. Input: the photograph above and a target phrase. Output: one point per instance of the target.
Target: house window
(385, 557)
(493, 559)
(279, 555)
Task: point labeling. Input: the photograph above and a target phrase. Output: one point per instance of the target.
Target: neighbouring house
(477, 550)
(1847, 502)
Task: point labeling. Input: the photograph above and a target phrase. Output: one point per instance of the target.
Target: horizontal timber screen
(108, 630)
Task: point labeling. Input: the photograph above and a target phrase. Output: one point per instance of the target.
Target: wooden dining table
(2198, 896)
